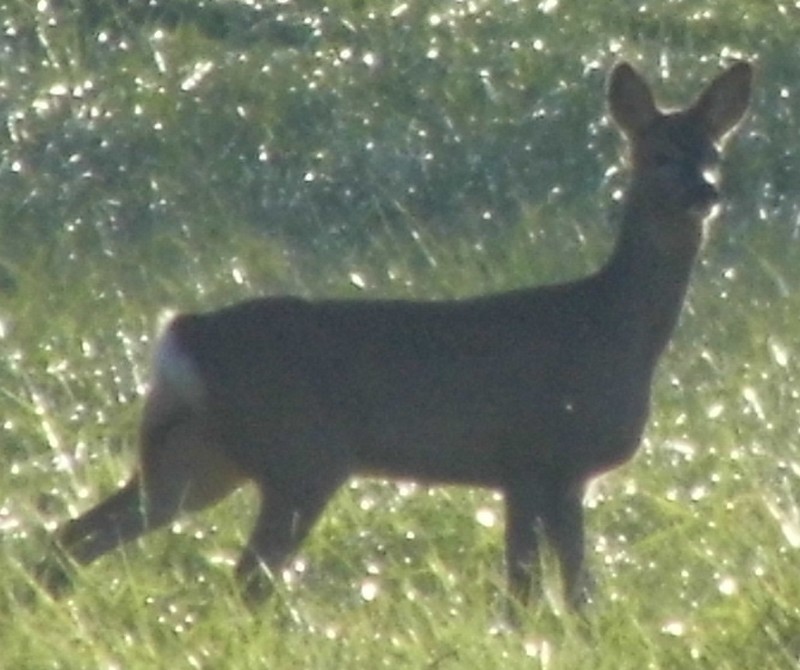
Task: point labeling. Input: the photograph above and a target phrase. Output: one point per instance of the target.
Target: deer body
(444, 392)
(531, 392)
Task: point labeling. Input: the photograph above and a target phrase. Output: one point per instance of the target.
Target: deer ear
(629, 99)
(724, 102)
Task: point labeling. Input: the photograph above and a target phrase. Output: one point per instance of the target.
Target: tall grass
(190, 154)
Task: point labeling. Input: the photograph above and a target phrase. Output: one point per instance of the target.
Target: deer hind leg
(179, 470)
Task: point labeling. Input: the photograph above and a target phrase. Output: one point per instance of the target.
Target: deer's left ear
(722, 105)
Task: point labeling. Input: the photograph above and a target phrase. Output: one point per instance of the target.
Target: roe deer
(531, 392)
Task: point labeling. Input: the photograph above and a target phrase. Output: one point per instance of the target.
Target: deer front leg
(281, 526)
(564, 527)
(523, 564)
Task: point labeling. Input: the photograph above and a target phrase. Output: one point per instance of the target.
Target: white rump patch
(176, 371)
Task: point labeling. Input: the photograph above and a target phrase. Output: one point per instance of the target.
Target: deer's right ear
(629, 99)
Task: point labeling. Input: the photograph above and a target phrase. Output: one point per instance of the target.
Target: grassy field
(190, 154)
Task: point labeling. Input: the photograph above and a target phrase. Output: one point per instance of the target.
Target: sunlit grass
(385, 149)
(694, 544)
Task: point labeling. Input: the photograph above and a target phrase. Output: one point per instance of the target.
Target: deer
(531, 392)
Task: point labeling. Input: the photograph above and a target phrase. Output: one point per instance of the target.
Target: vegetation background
(175, 154)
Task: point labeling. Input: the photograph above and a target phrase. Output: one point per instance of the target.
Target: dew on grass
(357, 280)
(299, 565)
(195, 662)
(788, 518)
(698, 492)
(674, 628)
(292, 574)
(199, 72)
(88, 348)
(486, 517)
(683, 448)
(753, 402)
(9, 522)
(225, 559)
(406, 489)
(540, 649)
(369, 589)
(51, 434)
(399, 10)
(614, 551)
(239, 274)
(63, 462)
(367, 502)
(780, 354)
(727, 585)
(177, 528)
(173, 618)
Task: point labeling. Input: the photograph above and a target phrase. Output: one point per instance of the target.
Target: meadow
(173, 155)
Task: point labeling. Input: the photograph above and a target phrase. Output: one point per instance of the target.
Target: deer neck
(648, 273)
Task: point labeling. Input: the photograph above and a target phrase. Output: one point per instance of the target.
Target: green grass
(194, 154)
